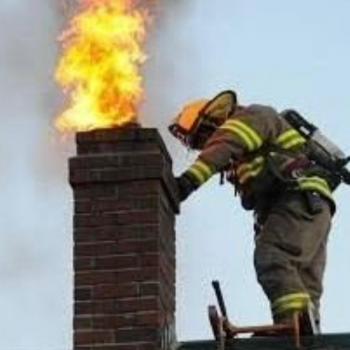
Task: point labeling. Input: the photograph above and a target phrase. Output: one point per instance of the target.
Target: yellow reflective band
(252, 140)
(290, 139)
(249, 170)
(250, 131)
(204, 168)
(294, 142)
(315, 183)
(247, 142)
(201, 171)
(197, 174)
(317, 188)
(287, 135)
(249, 174)
(249, 166)
(292, 306)
(315, 179)
(290, 298)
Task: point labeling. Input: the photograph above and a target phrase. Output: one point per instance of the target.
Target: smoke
(35, 254)
(198, 48)
(35, 249)
(168, 72)
(35, 201)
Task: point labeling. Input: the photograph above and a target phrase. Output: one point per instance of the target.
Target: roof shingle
(322, 342)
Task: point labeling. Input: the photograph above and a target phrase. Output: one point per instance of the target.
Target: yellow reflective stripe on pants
(290, 138)
(290, 302)
(315, 183)
(201, 171)
(248, 170)
(299, 305)
(249, 136)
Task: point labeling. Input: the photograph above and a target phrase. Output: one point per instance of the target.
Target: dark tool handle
(343, 171)
(298, 122)
(345, 176)
(220, 298)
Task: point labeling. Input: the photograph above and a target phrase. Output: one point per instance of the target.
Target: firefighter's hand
(185, 187)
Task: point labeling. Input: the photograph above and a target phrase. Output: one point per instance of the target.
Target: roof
(322, 342)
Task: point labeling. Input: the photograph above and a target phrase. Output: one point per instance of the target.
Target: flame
(100, 65)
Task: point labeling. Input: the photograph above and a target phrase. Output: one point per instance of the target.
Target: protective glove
(185, 186)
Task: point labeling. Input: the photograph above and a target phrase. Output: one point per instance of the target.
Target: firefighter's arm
(235, 138)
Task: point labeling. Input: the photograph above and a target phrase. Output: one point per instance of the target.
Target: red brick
(86, 220)
(137, 335)
(147, 319)
(150, 259)
(150, 288)
(137, 246)
(84, 250)
(146, 216)
(139, 188)
(82, 294)
(117, 261)
(150, 346)
(111, 306)
(107, 291)
(114, 175)
(95, 161)
(124, 240)
(117, 204)
(118, 276)
(115, 161)
(137, 275)
(85, 234)
(93, 337)
(83, 206)
(137, 304)
(94, 277)
(95, 191)
(83, 263)
(95, 307)
(114, 233)
(83, 322)
(134, 346)
(139, 231)
(128, 320)
(123, 247)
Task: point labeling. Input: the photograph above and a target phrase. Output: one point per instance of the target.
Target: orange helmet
(199, 119)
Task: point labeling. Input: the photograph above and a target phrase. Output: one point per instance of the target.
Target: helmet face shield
(179, 133)
(190, 115)
(185, 124)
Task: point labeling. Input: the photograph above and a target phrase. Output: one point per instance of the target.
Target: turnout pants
(290, 253)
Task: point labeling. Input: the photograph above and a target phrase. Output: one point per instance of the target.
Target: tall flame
(100, 65)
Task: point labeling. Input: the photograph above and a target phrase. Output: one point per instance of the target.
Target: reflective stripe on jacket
(242, 139)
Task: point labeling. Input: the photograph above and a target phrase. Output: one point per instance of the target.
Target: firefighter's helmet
(199, 119)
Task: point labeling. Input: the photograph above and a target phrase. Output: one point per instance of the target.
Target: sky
(283, 54)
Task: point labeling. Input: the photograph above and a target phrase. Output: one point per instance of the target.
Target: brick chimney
(124, 241)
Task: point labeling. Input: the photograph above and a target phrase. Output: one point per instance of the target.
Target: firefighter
(291, 197)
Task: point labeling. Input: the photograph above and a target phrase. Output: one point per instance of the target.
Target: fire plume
(100, 65)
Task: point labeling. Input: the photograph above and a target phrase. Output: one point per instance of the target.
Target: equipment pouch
(313, 202)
